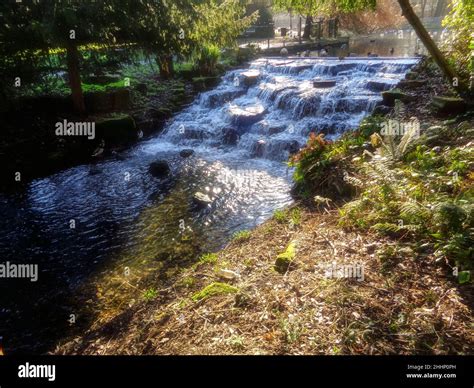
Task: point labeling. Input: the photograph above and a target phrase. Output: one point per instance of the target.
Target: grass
(295, 215)
(150, 294)
(280, 216)
(242, 235)
(207, 258)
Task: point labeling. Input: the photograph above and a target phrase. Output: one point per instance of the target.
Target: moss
(213, 289)
(284, 260)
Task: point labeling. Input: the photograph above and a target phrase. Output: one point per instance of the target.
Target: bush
(460, 45)
(206, 59)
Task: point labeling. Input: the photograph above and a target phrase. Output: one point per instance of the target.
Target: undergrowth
(406, 187)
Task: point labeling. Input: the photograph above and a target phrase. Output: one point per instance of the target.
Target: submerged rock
(201, 200)
(378, 86)
(186, 153)
(324, 83)
(274, 129)
(258, 149)
(159, 169)
(230, 136)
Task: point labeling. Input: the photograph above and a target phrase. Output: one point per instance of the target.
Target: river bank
(327, 276)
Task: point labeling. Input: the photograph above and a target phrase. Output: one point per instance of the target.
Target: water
(126, 220)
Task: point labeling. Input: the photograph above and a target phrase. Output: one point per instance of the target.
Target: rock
(118, 129)
(258, 149)
(324, 84)
(411, 75)
(201, 200)
(378, 86)
(230, 136)
(412, 84)
(390, 96)
(448, 105)
(284, 52)
(250, 78)
(186, 153)
(247, 115)
(274, 129)
(220, 97)
(382, 110)
(227, 274)
(159, 169)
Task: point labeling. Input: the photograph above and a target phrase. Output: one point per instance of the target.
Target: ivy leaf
(464, 277)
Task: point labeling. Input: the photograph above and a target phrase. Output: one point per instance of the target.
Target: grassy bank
(374, 258)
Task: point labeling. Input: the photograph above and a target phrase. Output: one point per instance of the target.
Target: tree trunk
(165, 63)
(300, 22)
(423, 7)
(307, 27)
(440, 8)
(431, 46)
(75, 77)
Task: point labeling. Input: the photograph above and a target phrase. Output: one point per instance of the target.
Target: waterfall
(272, 107)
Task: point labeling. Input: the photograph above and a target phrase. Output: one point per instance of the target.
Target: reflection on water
(399, 43)
(133, 231)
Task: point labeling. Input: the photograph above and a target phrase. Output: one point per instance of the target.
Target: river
(89, 225)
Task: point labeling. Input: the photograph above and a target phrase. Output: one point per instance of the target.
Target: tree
(435, 52)
(60, 26)
(460, 42)
(310, 7)
(217, 25)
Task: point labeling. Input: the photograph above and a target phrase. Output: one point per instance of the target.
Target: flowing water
(90, 222)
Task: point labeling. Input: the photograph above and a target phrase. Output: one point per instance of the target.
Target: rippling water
(242, 133)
